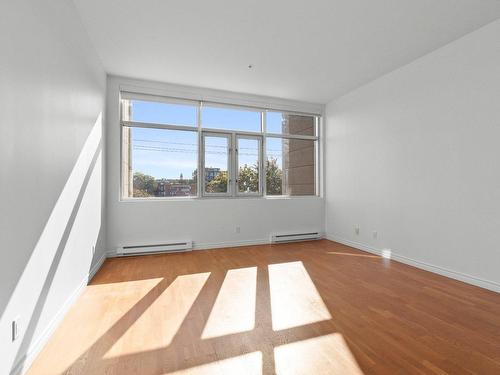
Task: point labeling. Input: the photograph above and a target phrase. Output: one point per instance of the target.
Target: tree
(248, 179)
(274, 177)
(144, 185)
(141, 194)
(218, 183)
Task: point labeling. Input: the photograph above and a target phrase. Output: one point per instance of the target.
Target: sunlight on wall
(248, 364)
(295, 300)
(39, 272)
(161, 318)
(314, 355)
(234, 309)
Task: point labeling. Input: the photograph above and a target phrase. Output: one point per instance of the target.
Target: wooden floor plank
(347, 312)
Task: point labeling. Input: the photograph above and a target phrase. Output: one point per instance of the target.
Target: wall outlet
(375, 234)
(15, 328)
(356, 229)
(238, 229)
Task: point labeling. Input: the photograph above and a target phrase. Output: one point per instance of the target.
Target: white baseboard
(469, 279)
(24, 363)
(356, 245)
(96, 266)
(35, 348)
(215, 245)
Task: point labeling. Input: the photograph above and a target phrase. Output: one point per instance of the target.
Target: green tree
(144, 185)
(218, 183)
(274, 177)
(248, 179)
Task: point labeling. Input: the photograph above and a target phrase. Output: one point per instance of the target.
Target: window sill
(193, 199)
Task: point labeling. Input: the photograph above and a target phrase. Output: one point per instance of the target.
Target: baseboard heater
(293, 237)
(171, 247)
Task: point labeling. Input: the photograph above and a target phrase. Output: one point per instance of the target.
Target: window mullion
(200, 173)
(264, 155)
(234, 168)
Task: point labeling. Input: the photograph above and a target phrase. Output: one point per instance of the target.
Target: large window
(241, 152)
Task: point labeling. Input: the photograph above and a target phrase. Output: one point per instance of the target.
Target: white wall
(414, 155)
(208, 222)
(52, 90)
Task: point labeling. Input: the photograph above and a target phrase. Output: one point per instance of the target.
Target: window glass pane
(159, 163)
(160, 113)
(274, 166)
(290, 166)
(230, 119)
(248, 165)
(286, 123)
(216, 164)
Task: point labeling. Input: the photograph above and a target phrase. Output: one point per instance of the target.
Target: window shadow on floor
(310, 336)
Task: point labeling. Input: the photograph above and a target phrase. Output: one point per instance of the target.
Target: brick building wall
(298, 156)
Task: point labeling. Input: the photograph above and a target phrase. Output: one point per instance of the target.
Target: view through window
(239, 151)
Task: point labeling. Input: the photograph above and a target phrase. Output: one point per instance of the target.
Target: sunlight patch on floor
(314, 355)
(295, 301)
(162, 316)
(234, 308)
(248, 364)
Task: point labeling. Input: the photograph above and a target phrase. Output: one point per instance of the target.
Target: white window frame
(260, 152)
(230, 178)
(233, 163)
(233, 136)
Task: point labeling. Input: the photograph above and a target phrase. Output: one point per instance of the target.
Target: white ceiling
(314, 50)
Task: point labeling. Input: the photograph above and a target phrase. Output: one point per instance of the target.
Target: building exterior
(298, 156)
(211, 173)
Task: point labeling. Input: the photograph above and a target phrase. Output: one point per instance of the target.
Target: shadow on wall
(59, 263)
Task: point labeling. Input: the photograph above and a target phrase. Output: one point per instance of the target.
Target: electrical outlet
(375, 234)
(15, 328)
(238, 229)
(356, 229)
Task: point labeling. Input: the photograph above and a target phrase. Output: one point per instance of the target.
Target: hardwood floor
(303, 308)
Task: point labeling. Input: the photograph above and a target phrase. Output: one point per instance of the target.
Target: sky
(166, 153)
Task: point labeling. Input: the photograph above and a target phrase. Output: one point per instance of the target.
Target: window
(241, 152)
(230, 118)
(248, 164)
(176, 113)
(160, 162)
(223, 150)
(290, 166)
(216, 151)
(291, 124)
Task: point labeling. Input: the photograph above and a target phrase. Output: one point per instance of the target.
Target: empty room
(259, 187)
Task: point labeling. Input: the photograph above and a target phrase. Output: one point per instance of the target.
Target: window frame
(260, 152)
(233, 107)
(232, 157)
(229, 191)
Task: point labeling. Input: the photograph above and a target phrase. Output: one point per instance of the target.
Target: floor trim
(216, 245)
(35, 348)
(24, 363)
(97, 266)
(469, 279)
